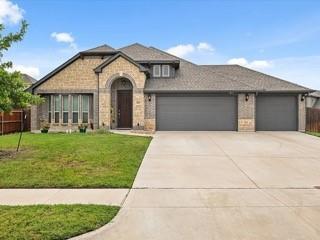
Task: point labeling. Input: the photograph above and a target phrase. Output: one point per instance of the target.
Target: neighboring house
(143, 87)
(313, 100)
(28, 79)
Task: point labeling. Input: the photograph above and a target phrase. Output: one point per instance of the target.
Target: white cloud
(203, 46)
(10, 12)
(63, 37)
(239, 61)
(183, 50)
(256, 64)
(32, 71)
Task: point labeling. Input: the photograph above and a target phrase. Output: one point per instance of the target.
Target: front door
(124, 99)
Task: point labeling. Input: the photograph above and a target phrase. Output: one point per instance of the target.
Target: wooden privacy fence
(313, 120)
(14, 121)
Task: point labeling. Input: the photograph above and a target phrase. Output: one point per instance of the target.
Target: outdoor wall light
(149, 97)
(247, 97)
(302, 98)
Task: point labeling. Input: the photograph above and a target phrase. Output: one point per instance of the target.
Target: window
(65, 108)
(157, 71)
(165, 71)
(85, 108)
(48, 99)
(75, 108)
(57, 108)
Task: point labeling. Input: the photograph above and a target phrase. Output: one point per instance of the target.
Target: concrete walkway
(223, 185)
(62, 196)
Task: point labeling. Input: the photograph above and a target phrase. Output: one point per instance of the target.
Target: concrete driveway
(223, 185)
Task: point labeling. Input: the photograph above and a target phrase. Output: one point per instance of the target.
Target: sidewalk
(62, 196)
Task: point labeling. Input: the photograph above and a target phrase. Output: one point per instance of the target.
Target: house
(313, 100)
(139, 87)
(28, 80)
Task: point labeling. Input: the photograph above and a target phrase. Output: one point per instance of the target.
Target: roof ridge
(268, 75)
(97, 47)
(136, 43)
(171, 55)
(220, 74)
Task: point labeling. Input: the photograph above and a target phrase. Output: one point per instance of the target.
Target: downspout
(98, 99)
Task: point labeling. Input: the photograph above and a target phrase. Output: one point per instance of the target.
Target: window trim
(63, 110)
(50, 105)
(73, 96)
(82, 111)
(154, 70)
(55, 111)
(162, 70)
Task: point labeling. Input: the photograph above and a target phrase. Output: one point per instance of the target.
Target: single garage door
(276, 113)
(196, 112)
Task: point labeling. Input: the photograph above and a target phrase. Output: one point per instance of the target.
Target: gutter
(228, 91)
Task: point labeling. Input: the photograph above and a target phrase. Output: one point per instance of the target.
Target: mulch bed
(5, 154)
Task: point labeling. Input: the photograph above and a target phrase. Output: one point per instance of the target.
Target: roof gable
(111, 59)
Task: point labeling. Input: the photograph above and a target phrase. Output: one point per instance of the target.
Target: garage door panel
(277, 113)
(196, 113)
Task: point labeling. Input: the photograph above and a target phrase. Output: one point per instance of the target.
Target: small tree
(12, 86)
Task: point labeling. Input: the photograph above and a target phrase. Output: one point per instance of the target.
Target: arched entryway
(121, 104)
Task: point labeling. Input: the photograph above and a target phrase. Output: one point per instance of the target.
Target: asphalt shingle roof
(315, 94)
(28, 79)
(139, 52)
(102, 48)
(189, 76)
(256, 80)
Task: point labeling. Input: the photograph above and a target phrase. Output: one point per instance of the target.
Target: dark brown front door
(124, 109)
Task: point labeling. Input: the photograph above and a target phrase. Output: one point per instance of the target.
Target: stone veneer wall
(150, 112)
(121, 68)
(78, 77)
(301, 114)
(246, 112)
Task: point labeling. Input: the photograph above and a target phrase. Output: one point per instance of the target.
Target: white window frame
(63, 110)
(154, 70)
(50, 107)
(163, 70)
(55, 111)
(82, 111)
(72, 96)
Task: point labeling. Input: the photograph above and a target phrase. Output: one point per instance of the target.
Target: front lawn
(71, 160)
(317, 134)
(52, 221)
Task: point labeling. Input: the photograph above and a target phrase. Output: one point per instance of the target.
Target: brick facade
(246, 112)
(301, 114)
(121, 68)
(150, 112)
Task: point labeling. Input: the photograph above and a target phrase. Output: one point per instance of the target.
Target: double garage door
(200, 112)
(196, 112)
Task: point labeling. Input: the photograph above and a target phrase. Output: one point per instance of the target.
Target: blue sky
(281, 38)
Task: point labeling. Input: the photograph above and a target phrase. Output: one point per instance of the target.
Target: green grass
(317, 134)
(52, 221)
(71, 160)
